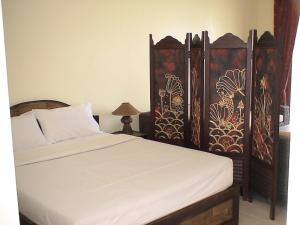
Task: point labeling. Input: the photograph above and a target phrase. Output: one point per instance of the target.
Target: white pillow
(26, 132)
(67, 122)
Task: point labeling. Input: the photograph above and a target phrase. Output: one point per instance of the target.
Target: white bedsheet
(114, 179)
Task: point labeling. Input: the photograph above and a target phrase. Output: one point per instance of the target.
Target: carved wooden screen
(265, 121)
(227, 102)
(196, 85)
(168, 90)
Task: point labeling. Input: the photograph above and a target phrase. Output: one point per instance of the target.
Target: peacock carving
(227, 86)
(225, 115)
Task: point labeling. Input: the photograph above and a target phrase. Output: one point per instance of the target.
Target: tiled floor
(257, 213)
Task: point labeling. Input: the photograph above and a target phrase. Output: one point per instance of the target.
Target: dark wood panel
(227, 102)
(238, 170)
(196, 90)
(265, 117)
(261, 177)
(283, 166)
(145, 123)
(169, 90)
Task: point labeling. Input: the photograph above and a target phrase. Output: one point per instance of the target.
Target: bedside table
(135, 133)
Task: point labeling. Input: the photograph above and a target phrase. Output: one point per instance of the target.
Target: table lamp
(126, 110)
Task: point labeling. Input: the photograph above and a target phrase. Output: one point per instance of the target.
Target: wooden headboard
(24, 107)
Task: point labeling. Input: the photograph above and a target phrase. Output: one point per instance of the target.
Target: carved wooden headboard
(24, 107)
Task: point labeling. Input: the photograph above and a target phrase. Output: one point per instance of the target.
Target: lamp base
(126, 120)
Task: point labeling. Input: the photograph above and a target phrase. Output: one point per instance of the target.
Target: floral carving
(264, 105)
(262, 129)
(168, 115)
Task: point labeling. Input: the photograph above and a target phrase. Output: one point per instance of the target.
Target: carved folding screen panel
(265, 101)
(196, 79)
(168, 62)
(226, 95)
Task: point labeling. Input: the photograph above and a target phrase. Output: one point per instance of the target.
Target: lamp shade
(125, 109)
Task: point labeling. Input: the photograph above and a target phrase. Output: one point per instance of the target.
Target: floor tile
(257, 212)
(246, 219)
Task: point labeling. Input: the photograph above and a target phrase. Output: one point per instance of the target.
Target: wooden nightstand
(135, 133)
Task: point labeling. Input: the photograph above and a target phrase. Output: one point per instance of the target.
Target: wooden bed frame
(24, 107)
(221, 208)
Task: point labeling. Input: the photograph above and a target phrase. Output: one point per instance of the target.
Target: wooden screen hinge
(189, 54)
(203, 56)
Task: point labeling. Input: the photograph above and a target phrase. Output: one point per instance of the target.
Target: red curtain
(286, 16)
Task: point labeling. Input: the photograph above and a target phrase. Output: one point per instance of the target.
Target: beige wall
(97, 51)
(265, 16)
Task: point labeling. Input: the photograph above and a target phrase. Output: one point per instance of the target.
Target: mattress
(114, 179)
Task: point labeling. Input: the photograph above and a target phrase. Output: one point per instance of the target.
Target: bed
(121, 179)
